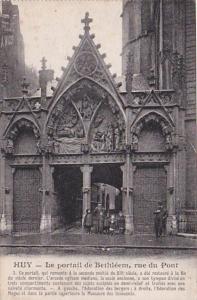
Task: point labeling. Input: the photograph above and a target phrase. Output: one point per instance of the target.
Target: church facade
(138, 135)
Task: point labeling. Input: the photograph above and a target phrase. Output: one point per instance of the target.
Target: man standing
(98, 218)
(88, 220)
(164, 215)
(121, 223)
(158, 223)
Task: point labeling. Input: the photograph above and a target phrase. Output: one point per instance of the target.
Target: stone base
(129, 224)
(4, 226)
(45, 224)
(55, 223)
(171, 225)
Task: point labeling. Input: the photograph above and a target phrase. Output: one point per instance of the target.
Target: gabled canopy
(86, 62)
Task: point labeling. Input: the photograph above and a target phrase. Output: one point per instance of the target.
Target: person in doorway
(101, 221)
(112, 226)
(97, 218)
(121, 223)
(164, 215)
(88, 221)
(107, 223)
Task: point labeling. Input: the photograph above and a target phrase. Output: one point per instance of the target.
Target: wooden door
(27, 200)
(150, 186)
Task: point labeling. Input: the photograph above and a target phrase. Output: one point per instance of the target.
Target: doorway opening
(106, 187)
(68, 184)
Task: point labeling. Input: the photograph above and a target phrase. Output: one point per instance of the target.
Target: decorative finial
(87, 22)
(24, 86)
(43, 62)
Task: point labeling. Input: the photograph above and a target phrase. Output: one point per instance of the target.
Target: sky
(50, 28)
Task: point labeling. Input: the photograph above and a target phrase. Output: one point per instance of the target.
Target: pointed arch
(19, 125)
(155, 132)
(73, 86)
(72, 115)
(22, 137)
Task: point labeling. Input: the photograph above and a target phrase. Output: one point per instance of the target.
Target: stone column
(53, 199)
(86, 170)
(171, 195)
(45, 223)
(3, 221)
(127, 194)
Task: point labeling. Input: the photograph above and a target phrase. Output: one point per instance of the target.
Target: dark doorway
(150, 185)
(69, 198)
(27, 200)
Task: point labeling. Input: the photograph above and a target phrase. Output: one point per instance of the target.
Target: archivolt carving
(166, 129)
(21, 125)
(17, 128)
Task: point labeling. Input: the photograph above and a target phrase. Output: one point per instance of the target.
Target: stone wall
(12, 62)
(191, 136)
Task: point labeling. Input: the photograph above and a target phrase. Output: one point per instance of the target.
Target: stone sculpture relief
(83, 107)
(108, 131)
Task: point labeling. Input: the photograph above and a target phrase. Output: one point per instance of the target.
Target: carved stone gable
(86, 62)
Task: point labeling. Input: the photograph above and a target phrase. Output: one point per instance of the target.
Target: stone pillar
(3, 221)
(55, 219)
(86, 170)
(127, 194)
(171, 196)
(45, 223)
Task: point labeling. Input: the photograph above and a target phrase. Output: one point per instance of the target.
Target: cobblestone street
(95, 243)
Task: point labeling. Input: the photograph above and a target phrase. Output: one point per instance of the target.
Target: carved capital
(7, 147)
(86, 190)
(86, 169)
(124, 189)
(127, 189)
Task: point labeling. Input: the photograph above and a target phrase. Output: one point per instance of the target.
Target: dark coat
(101, 221)
(121, 222)
(113, 224)
(106, 222)
(88, 221)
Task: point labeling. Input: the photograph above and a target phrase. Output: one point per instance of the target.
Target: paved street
(85, 243)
